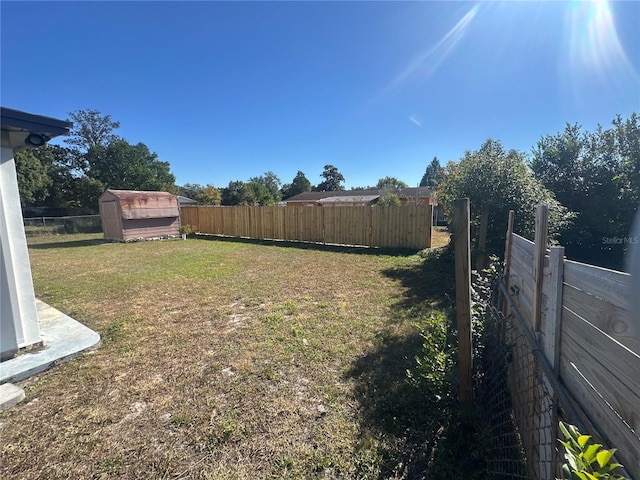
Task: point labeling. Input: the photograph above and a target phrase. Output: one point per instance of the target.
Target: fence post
(430, 234)
(507, 259)
(462, 245)
(552, 337)
(554, 310)
(540, 248)
(482, 238)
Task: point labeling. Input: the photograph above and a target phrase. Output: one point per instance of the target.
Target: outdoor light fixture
(35, 140)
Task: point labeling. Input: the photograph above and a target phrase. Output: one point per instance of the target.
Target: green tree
(60, 167)
(433, 175)
(120, 165)
(300, 184)
(333, 180)
(208, 195)
(238, 193)
(271, 182)
(390, 183)
(597, 175)
(496, 181)
(391, 199)
(190, 190)
(261, 194)
(33, 178)
(86, 192)
(91, 129)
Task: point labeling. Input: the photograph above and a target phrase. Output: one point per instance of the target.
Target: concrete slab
(63, 338)
(10, 395)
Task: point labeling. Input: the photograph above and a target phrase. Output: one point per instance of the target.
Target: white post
(19, 315)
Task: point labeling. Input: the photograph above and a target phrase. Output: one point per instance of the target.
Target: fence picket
(394, 227)
(581, 316)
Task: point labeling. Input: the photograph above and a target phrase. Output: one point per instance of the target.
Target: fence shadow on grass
(429, 284)
(355, 249)
(395, 414)
(408, 417)
(68, 244)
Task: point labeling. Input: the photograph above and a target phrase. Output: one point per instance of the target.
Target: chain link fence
(62, 225)
(521, 401)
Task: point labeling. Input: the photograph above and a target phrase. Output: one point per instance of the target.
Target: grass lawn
(230, 359)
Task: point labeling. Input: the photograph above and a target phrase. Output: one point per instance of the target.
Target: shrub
(586, 460)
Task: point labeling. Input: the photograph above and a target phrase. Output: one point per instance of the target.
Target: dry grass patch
(227, 359)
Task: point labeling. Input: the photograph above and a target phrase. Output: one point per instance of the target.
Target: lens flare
(428, 61)
(594, 47)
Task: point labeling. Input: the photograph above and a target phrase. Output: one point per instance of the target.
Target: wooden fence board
(396, 227)
(525, 268)
(527, 246)
(617, 359)
(617, 394)
(603, 417)
(601, 282)
(590, 341)
(611, 319)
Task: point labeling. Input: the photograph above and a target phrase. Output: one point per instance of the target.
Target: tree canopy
(597, 175)
(390, 183)
(271, 182)
(91, 129)
(246, 193)
(497, 181)
(33, 178)
(299, 184)
(433, 175)
(123, 166)
(208, 195)
(333, 180)
(390, 199)
(96, 159)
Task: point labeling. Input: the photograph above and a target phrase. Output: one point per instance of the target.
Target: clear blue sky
(226, 91)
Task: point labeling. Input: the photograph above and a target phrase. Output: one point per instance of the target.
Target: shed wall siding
(141, 213)
(150, 228)
(111, 223)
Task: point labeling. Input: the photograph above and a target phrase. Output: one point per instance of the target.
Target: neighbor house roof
(186, 200)
(349, 199)
(419, 192)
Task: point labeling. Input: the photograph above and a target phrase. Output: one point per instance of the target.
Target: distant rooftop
(411, 192)
(350, 199)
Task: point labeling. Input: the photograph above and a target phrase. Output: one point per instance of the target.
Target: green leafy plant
(186, 229)
(586, 460)
(390, 199)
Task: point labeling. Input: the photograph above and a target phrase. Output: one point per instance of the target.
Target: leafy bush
(391, 199)
(496, 181)
(586, 460)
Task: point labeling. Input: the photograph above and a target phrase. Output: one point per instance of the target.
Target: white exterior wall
(18, 313)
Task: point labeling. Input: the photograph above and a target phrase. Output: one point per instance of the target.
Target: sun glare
(594, 46)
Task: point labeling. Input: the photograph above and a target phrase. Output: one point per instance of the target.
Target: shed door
(111, 224)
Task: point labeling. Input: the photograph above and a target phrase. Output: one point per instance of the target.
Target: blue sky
(228, 90)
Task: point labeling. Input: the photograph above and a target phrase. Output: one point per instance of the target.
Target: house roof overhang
(24, 130)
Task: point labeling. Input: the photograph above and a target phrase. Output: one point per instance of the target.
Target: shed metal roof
(128, 196)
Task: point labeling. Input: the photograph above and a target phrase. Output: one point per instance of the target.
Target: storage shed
(131, 215)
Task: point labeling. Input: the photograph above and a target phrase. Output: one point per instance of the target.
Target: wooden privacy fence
(408, 226)
(582, 323)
